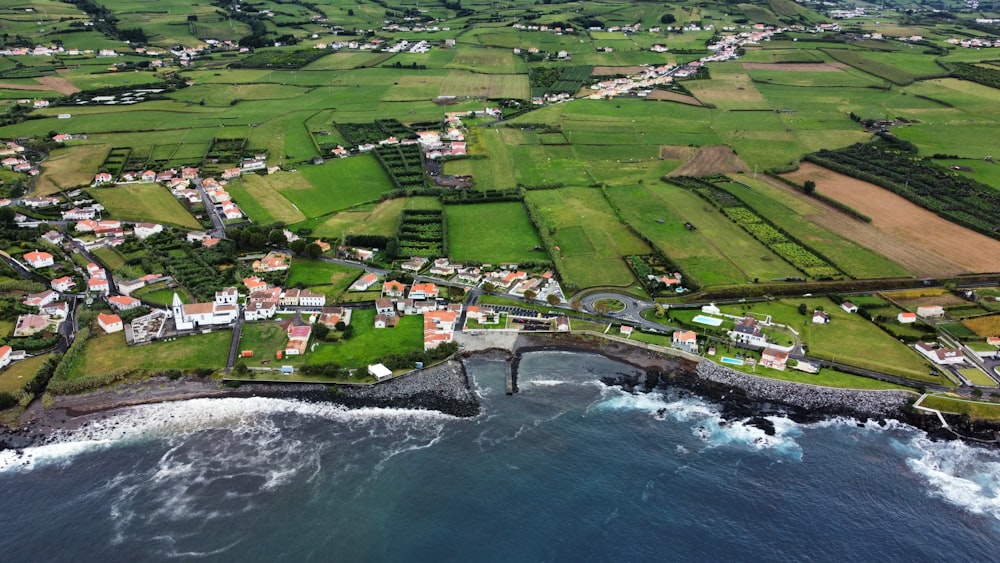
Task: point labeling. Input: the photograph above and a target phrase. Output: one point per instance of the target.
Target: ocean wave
(176, 419)
(964, 475)
(709, 426)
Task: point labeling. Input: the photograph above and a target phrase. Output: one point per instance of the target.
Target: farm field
(717, 252)
(144, 202)
(949, 248)
(492, 233)
(321, 277)
(591, 241)
(380, 219)
(338, 184)
(15, 376)
(67, 169)
(261, 198)
(109, 352)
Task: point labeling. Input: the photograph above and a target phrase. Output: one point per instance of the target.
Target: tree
(241, 369)
(277, 238)
(667, 19)
(803, 309)
(313, 250)
(298, 246)
(809, 186)
(553, 299)
(321, 331)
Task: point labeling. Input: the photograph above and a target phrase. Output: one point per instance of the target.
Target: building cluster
(12, 155)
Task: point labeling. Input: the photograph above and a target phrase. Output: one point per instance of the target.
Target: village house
(53, 237)
(55, 309)
(379, 372)
(254, 284)
(298, 340)
(820, 317)
(77, 214)
(686, 340)
(39, 300)
(262, 304)
(849, 307)
(28, 325)
(110, 323)
(748, 331)
(414, 264)
(5, 356)
(143, 230)
(123, 302)
(441, 267)
(126, 287)
(385, 307)
(393, 288)
(385, 321)
(939, 354)
(272, 262)
(470, 274)
(290, 297)
(62, 284)
(330, 316)
(423, 291)
(310, 299)
(364, 282)
(482, 315)
(37, 259)
(98, 285)
(906, 317)
(774, 359)
(102, 178)
(562, 323)
(231, 211)
(230, 173)
(85, 226)
(439, 327)
(95, 271)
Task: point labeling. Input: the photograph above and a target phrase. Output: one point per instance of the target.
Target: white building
(197, 315)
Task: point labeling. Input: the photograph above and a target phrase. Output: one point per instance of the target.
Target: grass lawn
(144, 202)
(321, 277)
(369, 344)
(977, 377)
(18, 374)
(847, 338)
(71, 167)
(110, 257)
(109, 352)
(975, 409)
(512, 238)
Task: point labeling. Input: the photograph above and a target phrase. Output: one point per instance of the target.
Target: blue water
(567, 470)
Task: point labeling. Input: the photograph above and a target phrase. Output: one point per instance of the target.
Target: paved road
(234, 344)
(220, 227)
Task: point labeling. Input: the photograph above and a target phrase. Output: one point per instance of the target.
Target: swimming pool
(710, 321)
(732, 361)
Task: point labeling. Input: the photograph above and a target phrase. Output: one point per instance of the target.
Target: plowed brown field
(917, 239)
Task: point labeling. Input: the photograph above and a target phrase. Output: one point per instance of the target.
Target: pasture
(368, 344)
(591, 241)
(492, 233)
(144, 202)
(338, 184)
(261, 199)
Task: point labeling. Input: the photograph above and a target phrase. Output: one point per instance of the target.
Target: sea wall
(878, 404)
(444, 387)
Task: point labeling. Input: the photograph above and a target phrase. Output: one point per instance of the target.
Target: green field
(339, 184)
(369, 344)
(108, 352)
(589, 240)
(321, 277)
(492, 233)
(847, 338)
(144, 202)
(18, 374)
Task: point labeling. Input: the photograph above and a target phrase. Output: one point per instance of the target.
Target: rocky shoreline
(446, 388)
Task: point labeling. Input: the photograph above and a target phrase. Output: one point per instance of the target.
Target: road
(220, 227)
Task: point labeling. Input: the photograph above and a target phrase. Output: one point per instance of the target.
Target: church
(223, 311)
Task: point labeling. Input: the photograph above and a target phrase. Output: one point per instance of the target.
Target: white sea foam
(173, 419)
(709, 425)
(964, 475)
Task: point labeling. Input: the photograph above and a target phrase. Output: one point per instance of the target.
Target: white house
(685, 340)
(774, 359)
(849, 307)
(143, 230)
(939, 354)
(123, 302)
(906, 317)
(747, 331)
(310, 299)
(364, 282)
(62, 284)
(98, 285)
(5, 353)
(820, 317)
(39, 259)
(110, 323)
(379, 372)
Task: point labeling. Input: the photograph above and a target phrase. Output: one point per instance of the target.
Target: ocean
(567, 470)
